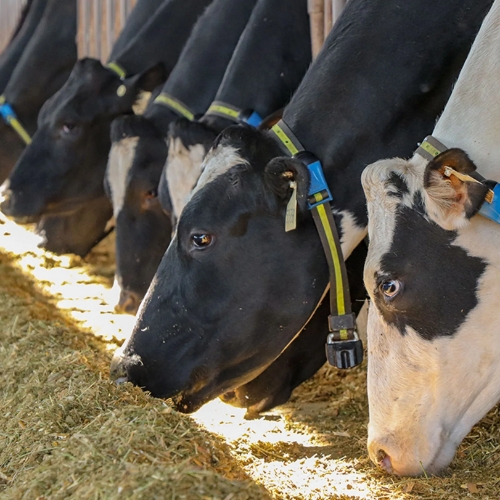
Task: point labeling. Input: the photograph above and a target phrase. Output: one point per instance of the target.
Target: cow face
(143, 230)
(233, 288)
(434, 279)
(63, 168)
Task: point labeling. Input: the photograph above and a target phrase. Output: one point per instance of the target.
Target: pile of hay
(67, 432)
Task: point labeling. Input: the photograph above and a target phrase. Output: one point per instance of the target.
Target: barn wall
(99, 24)
(10, 13)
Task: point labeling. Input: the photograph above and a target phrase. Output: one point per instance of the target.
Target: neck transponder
(344, 348)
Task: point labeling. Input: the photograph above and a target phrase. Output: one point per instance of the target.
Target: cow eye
(68, 128)
(202, 240)
(152, 193)
(390, 288)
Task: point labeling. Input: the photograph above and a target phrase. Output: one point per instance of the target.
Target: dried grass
(67, 432)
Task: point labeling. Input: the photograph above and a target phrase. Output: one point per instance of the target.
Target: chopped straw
(66, 431)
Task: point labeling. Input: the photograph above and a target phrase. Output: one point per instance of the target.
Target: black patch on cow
(439, 279)
(133, 126)
(396, 186)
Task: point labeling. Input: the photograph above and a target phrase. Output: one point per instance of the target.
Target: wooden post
(10, 15)
(99, 24)
(316, 15)
(328, 7)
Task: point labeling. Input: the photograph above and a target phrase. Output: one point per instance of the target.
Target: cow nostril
(384, 461)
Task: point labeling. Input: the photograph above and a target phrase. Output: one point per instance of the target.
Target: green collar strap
(117, 69)
(175, 105)
(344, 349)
(9, 116)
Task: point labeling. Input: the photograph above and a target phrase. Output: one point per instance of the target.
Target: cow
(234, 289)
(43, 68)
(139, 149)
(30, 17)
(62, 170)
(269, 62)
(433, 274)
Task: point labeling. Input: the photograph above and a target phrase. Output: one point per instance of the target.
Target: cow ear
(148, 80)
(452, 200)
(280, 173)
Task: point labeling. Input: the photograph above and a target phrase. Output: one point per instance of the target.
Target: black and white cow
(234, 289)
(30, 17)
(433, 274)
(139, 149)
(62, 170)
(269, 62)
(43, 68)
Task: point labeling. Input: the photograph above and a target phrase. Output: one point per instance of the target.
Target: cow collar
(344, 348)
(117, 69)
(431, 147)
(175, 105)
(224, 110)
(10, 118)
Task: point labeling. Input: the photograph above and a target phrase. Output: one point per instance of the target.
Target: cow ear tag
(121, 91)
(291, 209)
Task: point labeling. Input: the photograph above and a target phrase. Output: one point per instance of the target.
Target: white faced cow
(433, 274)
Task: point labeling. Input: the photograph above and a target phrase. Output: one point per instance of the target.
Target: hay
(67, 432)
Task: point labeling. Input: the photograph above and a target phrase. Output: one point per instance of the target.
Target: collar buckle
(344, 354)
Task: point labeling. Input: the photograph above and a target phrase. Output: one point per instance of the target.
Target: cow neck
(143, 11)
(162, 38)
(47, 60)
(270, 60)
(203, 62)
(13, 52)
(343, 348)
(431, 148)
(361, 102)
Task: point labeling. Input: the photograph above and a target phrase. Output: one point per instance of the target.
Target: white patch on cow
(217, 162)
(182, 172)
(121, 158)
(426, 395)
(352, 233)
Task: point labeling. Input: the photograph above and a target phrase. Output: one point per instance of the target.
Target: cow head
(143, 230)
(233, 288)
(432, 273)
(63, 168)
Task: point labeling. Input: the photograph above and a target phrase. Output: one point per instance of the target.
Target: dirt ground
(66, 431)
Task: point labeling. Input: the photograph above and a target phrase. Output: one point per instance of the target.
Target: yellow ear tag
(291, 209)
(121, 91)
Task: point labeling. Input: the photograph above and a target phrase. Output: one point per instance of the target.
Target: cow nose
(117, 370)
(128, 302)
(384, 461)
